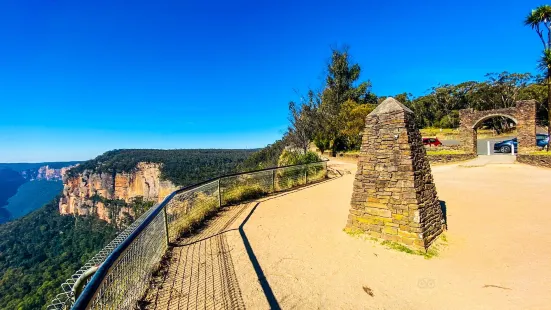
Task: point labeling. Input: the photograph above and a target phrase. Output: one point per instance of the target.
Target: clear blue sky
(78, 78)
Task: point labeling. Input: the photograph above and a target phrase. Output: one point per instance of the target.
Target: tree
(352, 122)
(538, 19)
(304, 122)
(340, 87)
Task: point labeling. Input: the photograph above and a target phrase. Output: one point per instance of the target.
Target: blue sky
(79, 78)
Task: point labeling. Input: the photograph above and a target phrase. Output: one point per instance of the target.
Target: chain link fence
(125, 265)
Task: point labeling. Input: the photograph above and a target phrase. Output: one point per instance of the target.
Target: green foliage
(352, 123)
(305, 121)
(540, 20)
(288, 158)
(182, 167)
(264, 158)
(341, 86)
(440, 108)
(322, 142)
(40, 250)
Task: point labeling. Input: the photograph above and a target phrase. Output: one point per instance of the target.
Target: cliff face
(45, 173)
(88, 192)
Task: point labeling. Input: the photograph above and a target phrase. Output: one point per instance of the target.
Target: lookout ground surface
(290, 251)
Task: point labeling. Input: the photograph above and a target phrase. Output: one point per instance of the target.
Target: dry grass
(453, 133)
(445, 152)
(540, 153)
(199, 208)
(241, 193)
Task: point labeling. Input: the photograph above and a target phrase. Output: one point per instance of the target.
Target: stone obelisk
(394, 196)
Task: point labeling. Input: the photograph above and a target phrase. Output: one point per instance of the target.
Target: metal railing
(125, 265)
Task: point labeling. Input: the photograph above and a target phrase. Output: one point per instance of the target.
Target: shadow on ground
(198, 271)
(444, 209)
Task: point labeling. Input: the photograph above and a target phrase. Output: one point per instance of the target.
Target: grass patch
(354, 232)
(453, 133)
(398, 247)
(431, 252)
(431, 131)
(241, 193)
(445, 152)
(539, 153)
(190, 213)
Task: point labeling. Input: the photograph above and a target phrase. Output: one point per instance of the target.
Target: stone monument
(394, 196)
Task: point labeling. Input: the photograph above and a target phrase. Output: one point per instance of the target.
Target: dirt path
(292, 253)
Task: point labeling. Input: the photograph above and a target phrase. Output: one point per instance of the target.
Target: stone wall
(394, 197)
(449, 158)
(523, 114)
(535, 160)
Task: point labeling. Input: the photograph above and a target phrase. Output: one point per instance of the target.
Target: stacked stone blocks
(394, 196)
(523, 114)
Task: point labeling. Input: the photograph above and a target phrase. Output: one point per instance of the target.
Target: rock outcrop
(87, 193)
(45, 173)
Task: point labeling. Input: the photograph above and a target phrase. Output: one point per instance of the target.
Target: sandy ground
(290, 251)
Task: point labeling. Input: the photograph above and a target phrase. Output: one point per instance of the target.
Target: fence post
(489, 152)
(166, 226)
(273, 180)
(306, 175)
(219, 194)
(513, 148)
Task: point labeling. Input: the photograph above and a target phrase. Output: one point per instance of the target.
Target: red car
(431, 141)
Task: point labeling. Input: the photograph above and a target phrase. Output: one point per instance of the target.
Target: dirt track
(497, 257)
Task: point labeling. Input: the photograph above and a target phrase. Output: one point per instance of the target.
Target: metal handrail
(87, 294)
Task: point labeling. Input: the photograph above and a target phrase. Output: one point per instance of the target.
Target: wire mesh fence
(188, 208)
(128, 278)
(127, 263)
(66, 298)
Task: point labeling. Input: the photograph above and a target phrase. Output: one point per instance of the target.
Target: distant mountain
(25, 187)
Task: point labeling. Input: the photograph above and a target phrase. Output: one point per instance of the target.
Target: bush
(289, 158)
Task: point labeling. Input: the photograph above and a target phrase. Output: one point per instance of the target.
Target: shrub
(289, 157)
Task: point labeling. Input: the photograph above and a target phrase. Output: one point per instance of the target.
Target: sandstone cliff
(91, 193)
(45, 173)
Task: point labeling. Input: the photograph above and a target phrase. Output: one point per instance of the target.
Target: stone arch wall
(523, 114)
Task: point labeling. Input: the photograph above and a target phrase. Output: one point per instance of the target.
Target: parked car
(431, 141)
(542, 140)
(505, 146)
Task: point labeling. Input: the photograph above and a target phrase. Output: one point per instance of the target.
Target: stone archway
(523, 114)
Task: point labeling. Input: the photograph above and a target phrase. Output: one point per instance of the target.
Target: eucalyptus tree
(341, 85)
(540, 20)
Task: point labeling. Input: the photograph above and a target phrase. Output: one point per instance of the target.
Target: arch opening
(495, 134)
(480, 121)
